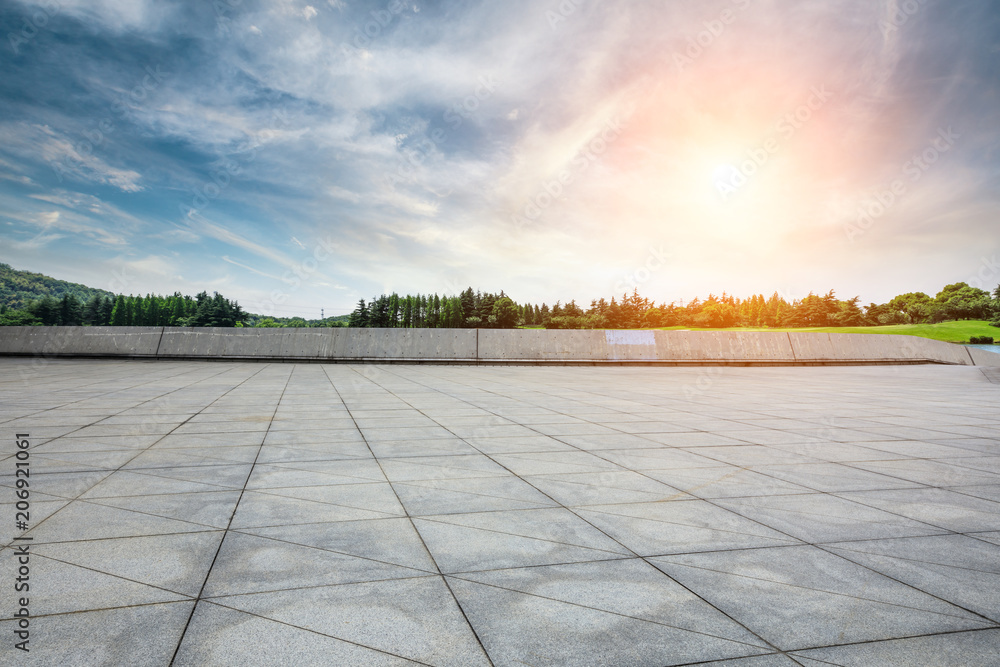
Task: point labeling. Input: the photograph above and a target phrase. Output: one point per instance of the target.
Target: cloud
(54, 225)
(232, 261)
(392, 144)
(66, 159)
(114, 15)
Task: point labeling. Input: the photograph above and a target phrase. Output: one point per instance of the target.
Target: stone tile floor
(200, 513)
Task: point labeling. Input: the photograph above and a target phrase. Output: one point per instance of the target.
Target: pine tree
(393, 313)
(468, 300)
(360, 316)
(92, 311)
(408, 311)
(119, 315)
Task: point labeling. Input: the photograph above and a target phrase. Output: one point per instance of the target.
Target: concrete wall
(487, 345)
(606, 346)
(873, 348)
(81, 341)
(984, 357)
(341, 344)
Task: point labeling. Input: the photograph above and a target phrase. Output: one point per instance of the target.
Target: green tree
(652, 318)
(850, 314)
(505, 312)
(468, 299)
(92, 311)
(996, 307)
(47, 310)
(70, 310)
(119, 315)
(360, 317)
(962, 302)
(18, 318)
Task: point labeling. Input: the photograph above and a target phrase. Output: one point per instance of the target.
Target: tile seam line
(468, 579)
(105, 393)
(212, 601)
(423, 372)
(845, 595)
(440, 573)
(113, 471)
(211, 567)
(878, 641)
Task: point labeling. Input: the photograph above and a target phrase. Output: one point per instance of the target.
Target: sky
(299, 155)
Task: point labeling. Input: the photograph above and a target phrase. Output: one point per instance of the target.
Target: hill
(19, 288)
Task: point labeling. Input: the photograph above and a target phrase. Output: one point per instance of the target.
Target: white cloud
(50, 223)
(78, 161)
(232, 261)
(115, 15)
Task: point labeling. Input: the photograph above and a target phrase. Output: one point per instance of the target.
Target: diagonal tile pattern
(197, 513)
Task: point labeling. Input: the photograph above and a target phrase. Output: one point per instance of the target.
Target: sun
(724, 173)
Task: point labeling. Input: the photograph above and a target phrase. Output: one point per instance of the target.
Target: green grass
(952, 332)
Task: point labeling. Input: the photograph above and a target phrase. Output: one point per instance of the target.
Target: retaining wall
(489, 346)
(332, 344)
(982, 357)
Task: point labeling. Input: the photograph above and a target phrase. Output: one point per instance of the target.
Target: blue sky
(300, 155)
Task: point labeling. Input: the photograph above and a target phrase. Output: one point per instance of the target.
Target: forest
(20, 288)
(958, 301)
(148, 311)
(34, 299)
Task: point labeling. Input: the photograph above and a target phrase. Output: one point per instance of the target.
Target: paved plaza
(201, 513)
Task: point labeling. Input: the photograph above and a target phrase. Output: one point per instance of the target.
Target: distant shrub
(981, 340)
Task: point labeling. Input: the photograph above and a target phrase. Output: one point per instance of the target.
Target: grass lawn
(952, 332)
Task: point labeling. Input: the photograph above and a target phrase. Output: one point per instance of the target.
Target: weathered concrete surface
(416, 344)
(540, 344)
(984, 357)
(532, 345)
(194, 513)
(81, 341)
(487, 346)
(221, 342)
(874, 347)
(724, 346)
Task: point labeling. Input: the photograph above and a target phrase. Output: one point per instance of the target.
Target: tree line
(467, 310)
(475, 309)
(151, 310)
(958, 301)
